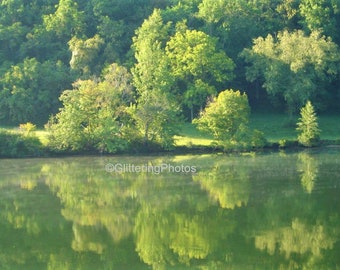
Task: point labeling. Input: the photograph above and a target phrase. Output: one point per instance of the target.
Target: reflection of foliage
(174, 224)
(90, 199)
(192, 238)
(308, 166)
(299, 238)
(82, 217)
(226, 185)
(180, 236)
(150, 230)
(86, 238)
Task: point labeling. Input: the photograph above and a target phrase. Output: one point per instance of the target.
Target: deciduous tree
(293, 65)
(197, 65)
(92, 114)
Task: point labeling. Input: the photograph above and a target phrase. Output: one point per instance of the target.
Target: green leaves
(194, 54)
(293, 65)
(197, 65)
(93, 114)
(156, 116)
(224, 115)
(308, 126)
(226, 118)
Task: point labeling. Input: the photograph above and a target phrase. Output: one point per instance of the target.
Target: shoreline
(187, 150)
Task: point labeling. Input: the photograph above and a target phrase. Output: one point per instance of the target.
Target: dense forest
(145, 64)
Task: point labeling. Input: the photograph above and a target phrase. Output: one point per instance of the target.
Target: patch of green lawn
(330, 127)
(42, 135)
(190, 136)
(275, 127)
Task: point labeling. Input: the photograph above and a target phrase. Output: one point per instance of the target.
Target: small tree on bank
(308, 126)
(226, 117)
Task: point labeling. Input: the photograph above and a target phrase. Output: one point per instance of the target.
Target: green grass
(275, 127)
(42, 135)
(190, 136)
(330, 127)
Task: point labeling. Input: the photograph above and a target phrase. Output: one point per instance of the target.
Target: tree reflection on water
(234, 212)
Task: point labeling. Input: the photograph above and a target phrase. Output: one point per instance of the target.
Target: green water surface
(264, 211)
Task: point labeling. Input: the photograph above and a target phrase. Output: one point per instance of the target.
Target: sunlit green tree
(293, 66)
(66, 21)
(157, 117)
(308, 126)
(156, 112)
(226, 117)
(84, 54)
(91, 115)
(197, 65)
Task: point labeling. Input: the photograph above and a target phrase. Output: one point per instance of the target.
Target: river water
(276, 210)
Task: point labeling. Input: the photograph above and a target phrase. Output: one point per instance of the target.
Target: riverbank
(278, 130)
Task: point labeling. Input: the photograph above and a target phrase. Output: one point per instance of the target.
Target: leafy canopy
(93, 114)
(197, 65)
(293, 65)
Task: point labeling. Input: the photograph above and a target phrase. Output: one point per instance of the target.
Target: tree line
(134, 68)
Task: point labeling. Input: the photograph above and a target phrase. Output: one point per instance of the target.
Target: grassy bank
(276, 128)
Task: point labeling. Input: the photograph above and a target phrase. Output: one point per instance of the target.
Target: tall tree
(197, 65)
(151, 71)
(293, 66)
(156, 113)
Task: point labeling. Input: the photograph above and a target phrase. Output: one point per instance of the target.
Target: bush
(225, 115)
(27, 128)
(17, 145)
(226, 118)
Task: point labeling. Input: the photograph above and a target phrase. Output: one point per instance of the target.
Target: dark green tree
(30, 91)
(321, 15)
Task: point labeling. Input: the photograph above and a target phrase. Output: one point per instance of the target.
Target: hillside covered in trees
(134, 68)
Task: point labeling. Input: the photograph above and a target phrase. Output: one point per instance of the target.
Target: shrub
(27, 128)
(17, 145)
(226, 118)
